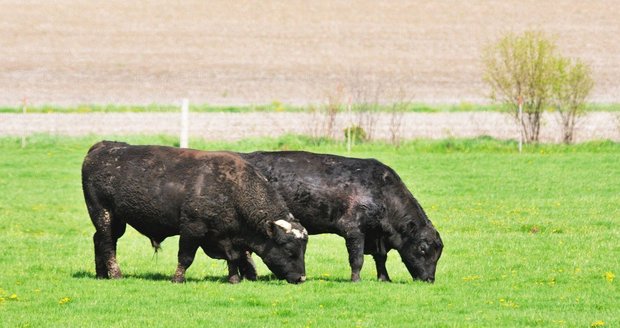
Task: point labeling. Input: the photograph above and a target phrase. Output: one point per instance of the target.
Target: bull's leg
(382, 273)
(188, 245)
(100, 261)
(355, 247)
(118, 229)
(247, 268)
(233, 271)
(105, 239)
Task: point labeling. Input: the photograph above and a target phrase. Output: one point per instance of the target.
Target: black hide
(362, 200)
(213, 200)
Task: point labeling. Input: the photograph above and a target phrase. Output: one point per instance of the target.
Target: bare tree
(366, 94)
(333, 106)
(397, 111)
(317, 125)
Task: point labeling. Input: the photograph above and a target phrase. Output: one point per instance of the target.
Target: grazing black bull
(362, 200)
(213, 200)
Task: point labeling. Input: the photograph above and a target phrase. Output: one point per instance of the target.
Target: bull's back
(152, 187)
(320, 189)
(137, 184)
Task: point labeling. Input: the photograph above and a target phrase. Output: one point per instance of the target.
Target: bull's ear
(396, 240)
(270, 228)
(411, 226)
(274, 231)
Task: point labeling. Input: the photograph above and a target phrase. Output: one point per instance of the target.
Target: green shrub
(520, 68)
(357, 134)
(571, 86)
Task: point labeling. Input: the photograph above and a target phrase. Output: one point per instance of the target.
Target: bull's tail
(156, 245)
(106, 143)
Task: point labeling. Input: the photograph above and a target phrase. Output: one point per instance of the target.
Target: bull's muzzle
(297, 280)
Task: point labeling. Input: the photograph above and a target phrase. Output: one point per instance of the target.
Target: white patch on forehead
(297, 233)
(300, 234)
(288, 227)
(285, 225)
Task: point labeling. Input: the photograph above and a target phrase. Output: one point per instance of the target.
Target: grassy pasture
(530, 239)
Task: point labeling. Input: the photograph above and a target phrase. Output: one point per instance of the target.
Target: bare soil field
(242, 52)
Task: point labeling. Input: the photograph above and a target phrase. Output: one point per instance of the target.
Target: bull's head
(285, 249)
(421, 251)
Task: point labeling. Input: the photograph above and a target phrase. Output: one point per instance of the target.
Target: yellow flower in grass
(508, 303)
(598, 323)
(609, 276)
(471, 278)
(64, 300)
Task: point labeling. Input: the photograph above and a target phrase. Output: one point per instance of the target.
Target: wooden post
(520, 101)
(184, 140)
(24, 105)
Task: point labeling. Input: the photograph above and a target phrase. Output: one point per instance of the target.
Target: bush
(519, 67)
(572, 84)
(358, 135)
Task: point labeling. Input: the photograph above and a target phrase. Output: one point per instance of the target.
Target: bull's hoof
(178, 280)
(355, 277)
(250, 277)
(115, 274)
(384, 279)
(234, 279)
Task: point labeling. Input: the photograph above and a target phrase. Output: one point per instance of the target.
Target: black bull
(213, 200)
(362, 200)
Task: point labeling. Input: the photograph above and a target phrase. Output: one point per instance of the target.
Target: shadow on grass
(224, 279)
(167, 277)
(148, 276)
(345, 280)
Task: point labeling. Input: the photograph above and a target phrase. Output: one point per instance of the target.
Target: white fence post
(24, 105)
(520, 100)
(184, 142)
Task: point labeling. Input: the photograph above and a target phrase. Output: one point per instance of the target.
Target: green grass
(530, 239)
(275, 106)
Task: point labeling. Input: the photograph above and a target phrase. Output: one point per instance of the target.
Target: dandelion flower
(609, 276)
(471, 278)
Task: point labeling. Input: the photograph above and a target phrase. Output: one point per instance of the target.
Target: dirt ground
(241, 52)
